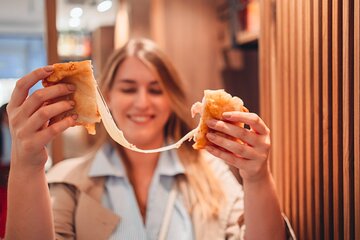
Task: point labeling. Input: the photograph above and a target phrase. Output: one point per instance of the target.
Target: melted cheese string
(118, 136)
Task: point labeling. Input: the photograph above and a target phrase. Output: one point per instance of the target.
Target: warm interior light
(122, 25)
(76, 12)
(74, 22)
(104, 5)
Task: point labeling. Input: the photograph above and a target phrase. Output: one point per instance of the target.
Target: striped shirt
(119, 196)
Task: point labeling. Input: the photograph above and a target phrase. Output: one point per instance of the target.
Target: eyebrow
(130, 81)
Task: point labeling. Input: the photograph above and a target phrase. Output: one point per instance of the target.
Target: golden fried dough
(213, 105)
(81, 75)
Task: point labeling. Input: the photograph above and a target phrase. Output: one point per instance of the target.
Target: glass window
(22, 44)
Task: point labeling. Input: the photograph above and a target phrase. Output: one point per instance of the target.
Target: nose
(142, 100)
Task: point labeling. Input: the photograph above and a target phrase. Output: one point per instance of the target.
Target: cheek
(165, 108)
(116, 103)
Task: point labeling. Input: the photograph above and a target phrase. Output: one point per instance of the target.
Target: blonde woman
(116, 193)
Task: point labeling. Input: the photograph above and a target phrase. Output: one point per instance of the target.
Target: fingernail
(72, 103)
(49, 68)
(74, 116)
(71, 87)
(226, 115)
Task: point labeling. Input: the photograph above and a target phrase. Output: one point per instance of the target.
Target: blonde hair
(203, 183)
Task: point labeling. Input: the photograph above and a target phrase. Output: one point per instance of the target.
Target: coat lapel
(92, 220)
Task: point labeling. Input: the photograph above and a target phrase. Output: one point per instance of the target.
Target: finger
(45, 113)
(251, 119)
(241, 150)
(229, 158)
(39, 97)
(46, 135)
(23, 85)
(235, 131)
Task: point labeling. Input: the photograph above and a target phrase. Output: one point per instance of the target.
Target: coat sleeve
(235, 228)
(63, 200)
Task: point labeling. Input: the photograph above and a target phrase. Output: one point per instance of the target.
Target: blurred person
(116, 193)
(5, 149)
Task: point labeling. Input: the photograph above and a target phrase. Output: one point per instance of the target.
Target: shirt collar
(169, 164)
(107, 163)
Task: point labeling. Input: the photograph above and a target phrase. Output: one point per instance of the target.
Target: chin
(143, 140)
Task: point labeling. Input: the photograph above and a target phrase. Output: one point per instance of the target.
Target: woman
(120, 194)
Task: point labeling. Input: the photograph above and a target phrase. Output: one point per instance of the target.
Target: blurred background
(295, 63)
(216, 35)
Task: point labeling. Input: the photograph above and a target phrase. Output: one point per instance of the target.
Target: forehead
(134, 70)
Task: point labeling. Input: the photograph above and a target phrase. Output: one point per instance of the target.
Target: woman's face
(138, 104)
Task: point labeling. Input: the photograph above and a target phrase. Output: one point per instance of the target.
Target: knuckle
(39, 95)
(20, 84)
(38, 73)
(267, 143)
(240, 150)
(43, 114)
(268, 131)
(254, 118)
(220, 125)
(53, 130)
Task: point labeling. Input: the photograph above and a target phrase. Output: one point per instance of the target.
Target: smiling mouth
(141, 119)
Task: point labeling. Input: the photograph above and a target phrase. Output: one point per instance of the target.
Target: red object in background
(3, 205)
(4, 173)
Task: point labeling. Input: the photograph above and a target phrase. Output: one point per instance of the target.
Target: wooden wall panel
(314, 100)
(291, 81)
(57, 144)
(300, 122)
(357, 117)
(347, 99)
(336, 119)
(309, 133)
(325, 59)
(285, 114)
(188, 30)
(316, 119)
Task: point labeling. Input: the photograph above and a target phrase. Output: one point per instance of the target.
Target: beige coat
(78, 213)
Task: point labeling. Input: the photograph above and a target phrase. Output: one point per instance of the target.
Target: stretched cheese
(118, 136)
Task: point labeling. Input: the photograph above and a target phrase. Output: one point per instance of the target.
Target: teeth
(140, 119)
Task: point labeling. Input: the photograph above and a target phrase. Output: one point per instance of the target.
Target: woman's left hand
(245, 149)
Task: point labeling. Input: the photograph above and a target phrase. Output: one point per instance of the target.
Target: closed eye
(128, 90)
(155, 91)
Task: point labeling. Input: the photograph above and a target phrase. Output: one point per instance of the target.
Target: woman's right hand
(29, 118)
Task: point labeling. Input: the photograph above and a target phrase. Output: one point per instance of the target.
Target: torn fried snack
(81, 75)
(213, 105)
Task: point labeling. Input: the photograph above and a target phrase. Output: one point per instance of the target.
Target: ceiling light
(76, 12)
(104, 5)
(74, 22)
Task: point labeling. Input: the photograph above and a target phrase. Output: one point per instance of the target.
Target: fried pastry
(213, 105)
(81, 75)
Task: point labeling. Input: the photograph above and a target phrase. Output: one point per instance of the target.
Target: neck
(142, 163)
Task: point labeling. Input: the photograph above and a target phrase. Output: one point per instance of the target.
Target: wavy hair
(203, 183)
